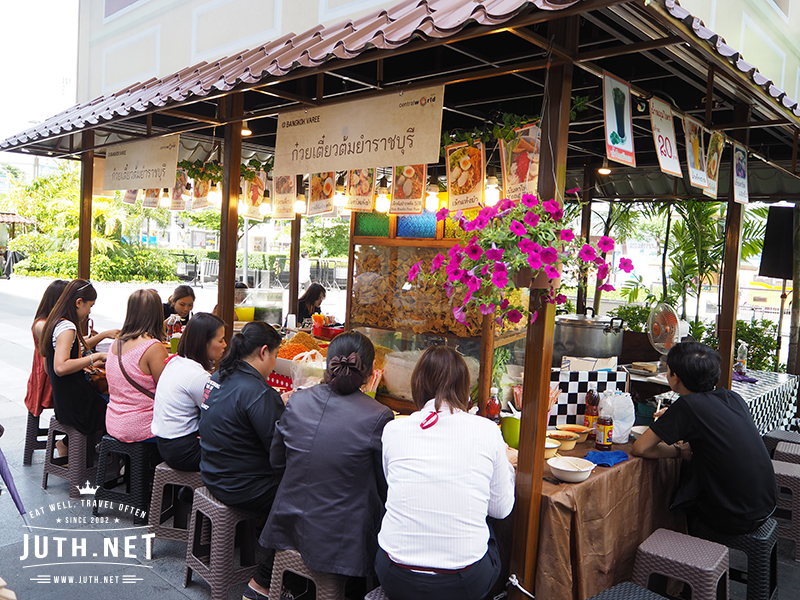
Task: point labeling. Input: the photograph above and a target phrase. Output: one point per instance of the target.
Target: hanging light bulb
(382, 203)
(187, 192)
(492, 192)
(300, 204)
(265, 208)
(340, 197)
(245, 129)
(604, 170)
(165, 199)
(214, 195)
(432, 199)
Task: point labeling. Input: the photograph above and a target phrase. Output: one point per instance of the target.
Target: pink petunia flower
(599, 261)
(414, 271)
(549, 255)
(566, 235)
(437, 262)
(494, 253)
(500, 279)
(473, 251)
(469, 226)
(481, 221)
(455, 275)
(454, 251)
(531, 219)
(485, 269)
(442, 214)
(606, 244)
(573, 191)
(606, 287)
(505, 204)
(535, 261)
(557, 215)
(526, 245)
(472, 283)
(626, 264)
(490, 212)
(561, 299)
(517, 228)
(500, 267)
(587, 253)
(514, 316)
(504, 304)
(530, 200)
(551, 272)
(602, 271)
(467, 298)
(534, 316)
(551, 207)
(486, 309)
(460, 314)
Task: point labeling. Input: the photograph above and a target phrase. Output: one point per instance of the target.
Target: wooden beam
(182, 114)
(149, 125)
(272, 92)
(626, 49)
(726, 327)
(351, 261)
(487, 362)
(750, 125)
(543, 43)
(294, 252)
(539, 344)
(229, 226)
(794, 151)
(709, 95)
(85, 215)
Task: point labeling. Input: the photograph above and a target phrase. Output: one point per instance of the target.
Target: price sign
(664, 137)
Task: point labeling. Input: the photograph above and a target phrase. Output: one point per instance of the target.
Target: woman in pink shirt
(135, 362)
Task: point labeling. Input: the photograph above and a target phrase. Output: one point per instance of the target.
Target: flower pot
(524, 278)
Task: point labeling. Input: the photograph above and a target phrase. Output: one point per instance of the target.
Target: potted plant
(514, 245)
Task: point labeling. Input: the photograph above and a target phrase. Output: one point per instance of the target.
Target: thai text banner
(395, 129)
(142, 165)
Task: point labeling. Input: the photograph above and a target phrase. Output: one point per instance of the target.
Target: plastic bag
(308, 369)
(624, 417)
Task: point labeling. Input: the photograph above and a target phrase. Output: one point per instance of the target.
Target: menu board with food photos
(361, 190)
(408, 189)
(323, 185)
(465, 166)
(285, 197)
(521, 162)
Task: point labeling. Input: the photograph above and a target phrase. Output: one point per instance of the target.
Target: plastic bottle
(740, 365)
(493, 406)
(605, 425)
(590, 416)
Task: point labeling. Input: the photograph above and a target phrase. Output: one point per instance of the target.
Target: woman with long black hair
(237, 423)
(309, 303)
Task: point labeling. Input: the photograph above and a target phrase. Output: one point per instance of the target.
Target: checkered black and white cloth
(772, 399)
(571, 403)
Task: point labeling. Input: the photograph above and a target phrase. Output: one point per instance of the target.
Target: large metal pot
(582, 335)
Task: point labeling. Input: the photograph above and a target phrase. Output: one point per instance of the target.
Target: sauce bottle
(605, 426)
(493, 406)
(590, 416)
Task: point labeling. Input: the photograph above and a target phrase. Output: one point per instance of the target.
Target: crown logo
(87, 489)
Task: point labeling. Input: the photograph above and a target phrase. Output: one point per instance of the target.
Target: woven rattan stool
(700, 563)
(788, 476)
(772, 438)
(140, 461)
(378, 594)
(787, 452)
(761, 547)
(626, 591)
(165, 503)
(78, 468)
(33, 431)
(215, 561)
(328, 585)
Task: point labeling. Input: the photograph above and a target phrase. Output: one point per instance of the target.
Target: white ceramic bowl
(573, 470)
(638, 430)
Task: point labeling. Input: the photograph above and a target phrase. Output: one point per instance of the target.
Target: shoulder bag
(143, 390)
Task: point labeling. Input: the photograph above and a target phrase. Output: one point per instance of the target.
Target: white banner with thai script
(740, 192)
(144, 164)
(664, 137)
(395, 129)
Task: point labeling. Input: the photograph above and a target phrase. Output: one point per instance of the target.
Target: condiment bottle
(493, 406)
(590, 416)
(605, 425)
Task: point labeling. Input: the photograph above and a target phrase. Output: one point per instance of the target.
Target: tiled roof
(384, 29)
(7, 218)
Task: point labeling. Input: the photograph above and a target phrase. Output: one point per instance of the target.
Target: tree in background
(325, 237)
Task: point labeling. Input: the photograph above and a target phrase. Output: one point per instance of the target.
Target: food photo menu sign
(618, 120)
(695, 152)
(285, 197)
(360, 190)
(408, 189)
(521, 162)
(465, 166)
(664, 137)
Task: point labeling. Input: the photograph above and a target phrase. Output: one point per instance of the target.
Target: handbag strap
(143, 390)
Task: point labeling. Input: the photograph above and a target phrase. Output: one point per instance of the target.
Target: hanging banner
(200, 194)
(285, 196)
(695, 152)
(408, 189)
(521, 162)
(664, 137)
(397, 128)
(361, 190)
(323, 185)
(253, 196)
(150, 199)
(715, 147)
(144, 164)
(465, 165)
(740, 192)
(177, 201)
(618, 120)
(130, 196)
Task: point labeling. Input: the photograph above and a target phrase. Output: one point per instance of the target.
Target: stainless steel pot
(582, 335)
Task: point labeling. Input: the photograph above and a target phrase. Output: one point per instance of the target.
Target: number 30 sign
(664, 137)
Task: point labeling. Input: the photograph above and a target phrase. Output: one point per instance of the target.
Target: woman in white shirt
(176, 412)
(447, 471)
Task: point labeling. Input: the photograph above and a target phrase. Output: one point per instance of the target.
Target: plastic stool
(165, 503)
(761, 547)
(700, 563)
(625, 591)
(140, 461)
(33, 431)
(788, 476)
(328, 585)
(772, 438)
(214, 561)
(78, 468)
(787, 452)
(378, 594)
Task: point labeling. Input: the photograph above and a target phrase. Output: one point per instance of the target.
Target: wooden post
(487, 362)
(539, 344)
(730, 276)
(294, 254)
(586, 224)
(229, 227)
(85, 215)
(351, 263)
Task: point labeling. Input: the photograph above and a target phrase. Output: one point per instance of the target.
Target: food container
(567, 438)
(582, 335)
(582, 431)
(509, 425)
(572, 470)
(327, 333)
(551, 447)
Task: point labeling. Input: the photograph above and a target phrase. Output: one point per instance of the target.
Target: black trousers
(473, 583)
(181, 453)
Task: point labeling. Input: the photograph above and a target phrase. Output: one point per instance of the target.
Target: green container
(510, 428)
(644, 414)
